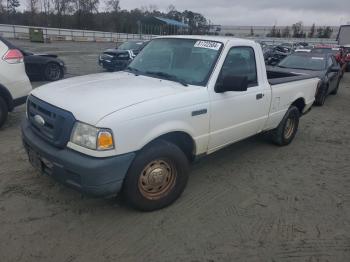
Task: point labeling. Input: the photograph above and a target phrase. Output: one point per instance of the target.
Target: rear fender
(4, 92)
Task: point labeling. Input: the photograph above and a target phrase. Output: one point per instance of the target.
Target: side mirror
(335, 69)
(232, 83)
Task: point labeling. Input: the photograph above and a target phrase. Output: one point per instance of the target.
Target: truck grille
(51, 123)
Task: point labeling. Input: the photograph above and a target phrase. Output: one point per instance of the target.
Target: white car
(14, 82)
(181, 98)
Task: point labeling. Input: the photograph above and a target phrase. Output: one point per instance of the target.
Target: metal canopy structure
(162, 26)
(171, 22)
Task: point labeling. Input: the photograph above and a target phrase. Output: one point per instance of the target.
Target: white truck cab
(136, 131)
(14, 82)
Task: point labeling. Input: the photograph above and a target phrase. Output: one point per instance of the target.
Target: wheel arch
(300, 104)
(4, 93)
(181, 139)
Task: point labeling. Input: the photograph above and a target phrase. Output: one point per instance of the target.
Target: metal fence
(58, 34)
(313, 41)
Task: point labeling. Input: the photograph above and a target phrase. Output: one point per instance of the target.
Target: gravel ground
(252, 201)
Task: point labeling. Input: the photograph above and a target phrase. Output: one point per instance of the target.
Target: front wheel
(157, 177)
(285, 132)
(335, 91)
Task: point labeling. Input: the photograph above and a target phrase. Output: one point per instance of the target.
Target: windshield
(187, 61)
(324, 51)
(130, 45)
(304, 62)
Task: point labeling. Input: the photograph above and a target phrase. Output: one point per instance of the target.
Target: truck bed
(278, 77)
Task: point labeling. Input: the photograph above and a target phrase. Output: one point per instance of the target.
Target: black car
(323, 66)
(119, 58)
(43, 66)
(274, 54)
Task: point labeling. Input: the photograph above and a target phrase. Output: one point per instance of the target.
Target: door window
(240, 61)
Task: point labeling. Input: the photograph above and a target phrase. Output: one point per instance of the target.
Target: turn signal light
(105, 141)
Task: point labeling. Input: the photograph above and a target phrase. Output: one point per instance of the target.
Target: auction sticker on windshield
(208, 44)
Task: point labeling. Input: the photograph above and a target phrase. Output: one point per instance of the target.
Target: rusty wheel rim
(157, 179)
(289, 128)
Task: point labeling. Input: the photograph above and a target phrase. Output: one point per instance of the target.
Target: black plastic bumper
(94, 176)
(112, 65)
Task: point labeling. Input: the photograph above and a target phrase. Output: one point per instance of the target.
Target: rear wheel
(53, 72)
(285, 132)
(335, 91)
(157, 177)
(3, 111)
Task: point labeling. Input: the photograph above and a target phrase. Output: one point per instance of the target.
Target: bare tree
(45, 6)
(32, 6)
(2, 8)
(11, 6)
(62, 7)
(312, 31)
(171, 8)
(113, 6)
(87, 6)
(150, 9)
(286, 32)
(46, 9)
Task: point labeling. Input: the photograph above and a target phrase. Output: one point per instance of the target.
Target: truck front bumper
(101, 177)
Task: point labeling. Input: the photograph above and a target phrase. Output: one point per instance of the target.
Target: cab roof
(223, 39)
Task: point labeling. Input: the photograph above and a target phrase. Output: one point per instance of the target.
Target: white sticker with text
(208, 45)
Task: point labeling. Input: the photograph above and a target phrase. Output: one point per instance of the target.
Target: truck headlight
(92, 137)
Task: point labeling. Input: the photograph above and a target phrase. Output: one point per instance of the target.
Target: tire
(285, 132)
(53, 72)
(3, 111)
(321, 96)
(335, 91)
(162, 161)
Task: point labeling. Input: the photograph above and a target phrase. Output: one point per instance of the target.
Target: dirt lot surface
(252, 201)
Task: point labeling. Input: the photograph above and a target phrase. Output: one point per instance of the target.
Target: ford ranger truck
(137, 131)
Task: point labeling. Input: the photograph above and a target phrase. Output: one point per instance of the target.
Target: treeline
(297, 31)
(100, 15)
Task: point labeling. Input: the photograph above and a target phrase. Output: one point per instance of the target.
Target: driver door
(236, 115)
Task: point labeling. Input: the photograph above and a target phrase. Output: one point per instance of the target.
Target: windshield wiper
(167, 77)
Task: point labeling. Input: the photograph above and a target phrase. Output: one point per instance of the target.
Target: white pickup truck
(136, 131)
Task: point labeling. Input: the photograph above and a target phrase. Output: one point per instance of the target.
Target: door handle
(259, 96)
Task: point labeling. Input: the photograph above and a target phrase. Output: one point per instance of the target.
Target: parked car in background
(346, 55)
(319, 65)
(181, 98)
(326, 50)
(333, 50)
(14, 83)
(274, 54)
(43, 66)
(302, 50)
(119, 58)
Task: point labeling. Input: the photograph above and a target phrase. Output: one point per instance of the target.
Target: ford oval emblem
(39, 120)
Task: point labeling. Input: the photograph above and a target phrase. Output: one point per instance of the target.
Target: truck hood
(90, 98)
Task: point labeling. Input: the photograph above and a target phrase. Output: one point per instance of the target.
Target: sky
(258, 12)
(255, 12)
